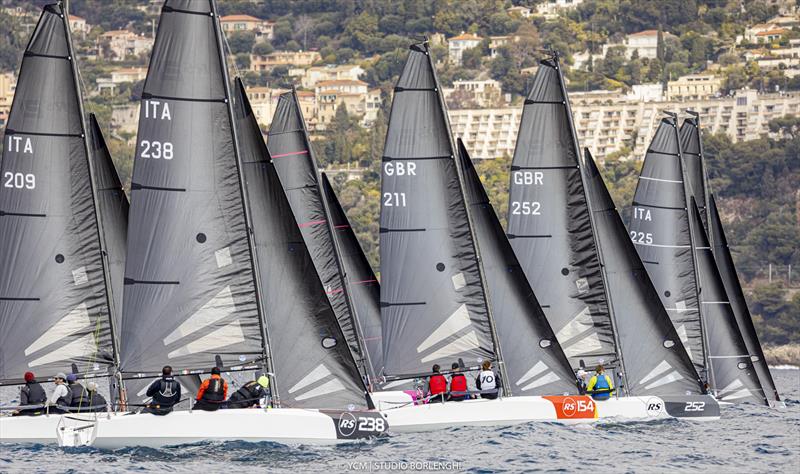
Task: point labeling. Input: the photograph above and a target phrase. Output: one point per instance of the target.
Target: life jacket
(80, 397)
(167, 394)
(437, 384)
(458, 384)
(601, 383)
(98, 402)
(487, 380)
(215, 391)
(65, 400)
(248, 395)
(35, 393)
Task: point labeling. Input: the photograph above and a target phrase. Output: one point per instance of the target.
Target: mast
(475, 246)
(98, 221)
(574, 134)
(689, 200)
(265, 344)
(363, 360)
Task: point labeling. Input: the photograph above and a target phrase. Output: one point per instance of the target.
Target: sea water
(749, 439)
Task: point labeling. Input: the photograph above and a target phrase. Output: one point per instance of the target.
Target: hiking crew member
(164, 393)
(250, 394)
(80, 397)
(600, 383)
(61, 396)
(458, 385)
(437, 385)
(96, 401)
(487, 381)
(31, 394)
(212, 393)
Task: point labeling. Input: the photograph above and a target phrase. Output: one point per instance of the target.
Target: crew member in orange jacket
(213, 391)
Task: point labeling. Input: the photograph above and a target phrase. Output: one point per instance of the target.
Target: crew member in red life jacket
(458, 385)
(437, 385)
(212, 392)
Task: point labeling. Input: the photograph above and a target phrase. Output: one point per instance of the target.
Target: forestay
(534, 362)
(363, 285)
(293, 158)
(433, 306)
(550, 228)
(54, 308)
(733, 377)
(727, 271)
(660, 231)
(189, 290)
(655, 360)
(310, 357)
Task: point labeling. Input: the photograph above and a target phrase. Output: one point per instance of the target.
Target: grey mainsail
(309, 354)
(54, 304)
(692, 149)
(294, 159)
(534, 361)
(433, 305)
(655, 360)
(112, 208)
(189, 282)
(733, 377)
(365, 290)
(727, 270)
(550, 227)
(660, 231)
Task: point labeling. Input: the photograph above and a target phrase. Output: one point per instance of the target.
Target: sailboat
(575, 251)
(217, 273)
(298, 170)
(692, 146)
(668, 233)
(61, 226)
(452, 287)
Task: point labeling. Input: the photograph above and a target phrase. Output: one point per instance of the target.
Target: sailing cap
(61, 376)
(263, 381)
(72, 377)
(29, 376)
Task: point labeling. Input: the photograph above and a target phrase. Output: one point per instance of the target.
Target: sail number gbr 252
(526, 178)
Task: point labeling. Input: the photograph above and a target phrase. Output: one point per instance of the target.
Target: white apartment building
(483, 93)
(551, 8)
(120, 76)
(458, 44)
(607, 122)
(261, 28)
(119, 45)
(693, 87)
(330, 72)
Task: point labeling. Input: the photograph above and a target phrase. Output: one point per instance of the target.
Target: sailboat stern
(353, 425)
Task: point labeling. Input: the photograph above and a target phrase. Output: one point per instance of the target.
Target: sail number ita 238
(156, 110)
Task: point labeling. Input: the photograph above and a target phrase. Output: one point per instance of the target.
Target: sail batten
(54, 302)
(431, 281)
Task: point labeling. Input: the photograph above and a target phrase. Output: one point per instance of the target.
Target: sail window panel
(44, 99)
(185, 59)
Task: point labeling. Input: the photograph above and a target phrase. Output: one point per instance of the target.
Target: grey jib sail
(549, 224)
(433, 307)
(364, 288)
(297, 168)
(733, 289)
(53, 303)
(112, 208)
(534, 361)
(312, 363)
(660, 231)
(654, 358)
(733, 377)
(692, 149)
(189, 291)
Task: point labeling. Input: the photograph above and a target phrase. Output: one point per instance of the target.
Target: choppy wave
(784, 367)
(747, 439)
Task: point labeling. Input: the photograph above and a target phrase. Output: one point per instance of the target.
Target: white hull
(562, 409)
(37, 429)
